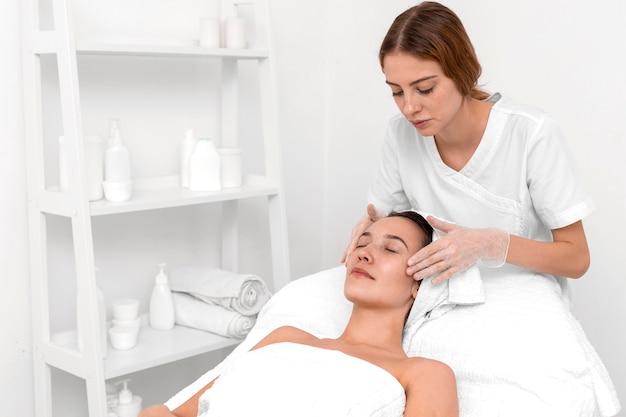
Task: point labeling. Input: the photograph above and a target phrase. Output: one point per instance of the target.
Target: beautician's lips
(420, 124)
(361, 272)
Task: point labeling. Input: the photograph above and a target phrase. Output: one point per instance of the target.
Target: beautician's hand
(458, 249)
(373, 214)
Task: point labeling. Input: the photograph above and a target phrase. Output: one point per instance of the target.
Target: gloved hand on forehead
(457, 249)
(373, 214)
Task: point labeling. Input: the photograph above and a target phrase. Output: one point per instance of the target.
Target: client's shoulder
(286, 334)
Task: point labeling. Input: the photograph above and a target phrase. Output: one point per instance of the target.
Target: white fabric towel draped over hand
(243, 293)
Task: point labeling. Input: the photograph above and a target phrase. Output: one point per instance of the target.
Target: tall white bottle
(117, 183)
(116, 159)
(186, 150)
(204, 167)
(102, 321)
(162, 314)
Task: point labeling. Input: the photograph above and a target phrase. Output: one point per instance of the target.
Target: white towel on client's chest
(290, 379)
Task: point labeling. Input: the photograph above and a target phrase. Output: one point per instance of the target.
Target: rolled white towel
(244, 293)
(195, 313)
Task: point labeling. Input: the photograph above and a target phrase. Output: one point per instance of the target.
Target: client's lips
(361, 272)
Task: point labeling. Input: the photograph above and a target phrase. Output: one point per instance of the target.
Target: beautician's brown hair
(434, 32)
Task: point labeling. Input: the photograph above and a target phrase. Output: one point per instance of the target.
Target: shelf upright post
(269, 117)
(73, 203)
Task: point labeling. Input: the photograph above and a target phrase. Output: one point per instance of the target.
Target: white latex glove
(459, 248)
(373, 214)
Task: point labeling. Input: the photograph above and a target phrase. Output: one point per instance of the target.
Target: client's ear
(414, 287)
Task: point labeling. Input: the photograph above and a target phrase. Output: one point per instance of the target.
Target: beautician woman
(501, 176)
(499, 170)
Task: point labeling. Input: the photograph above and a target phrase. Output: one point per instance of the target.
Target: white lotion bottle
(162, 314)
(117, 181)
(102, 321)
(186, 150)
(205, 167)
(128, 405)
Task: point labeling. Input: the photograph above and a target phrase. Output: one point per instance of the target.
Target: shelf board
(157, 347)
(164, 192)
(123, 49)
(154, 348)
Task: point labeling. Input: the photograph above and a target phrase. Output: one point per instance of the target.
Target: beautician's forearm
(567, 255)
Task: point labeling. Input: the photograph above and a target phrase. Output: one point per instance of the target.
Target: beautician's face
(376, 270)
(426, 97)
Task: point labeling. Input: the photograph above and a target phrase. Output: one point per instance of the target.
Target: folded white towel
(243, 293)
(195, 313)
(435, 300)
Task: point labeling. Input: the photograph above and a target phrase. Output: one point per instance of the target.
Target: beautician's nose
(412, 104)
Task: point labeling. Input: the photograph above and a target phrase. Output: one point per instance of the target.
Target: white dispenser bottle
(186, 150)
(204, 167)
(128, 405)
(162, 314)
(117, 180)
(102, 321)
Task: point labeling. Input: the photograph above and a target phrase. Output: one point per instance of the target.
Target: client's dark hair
(420, 221)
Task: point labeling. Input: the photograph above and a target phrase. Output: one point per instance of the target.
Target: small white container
(231, 173)
(123, 337)
(210, 32)
(134, 323)
(235, 32)
(204, 167)
(118, 191)
(125, 309)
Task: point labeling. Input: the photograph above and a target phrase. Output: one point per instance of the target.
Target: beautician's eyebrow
(430, 77)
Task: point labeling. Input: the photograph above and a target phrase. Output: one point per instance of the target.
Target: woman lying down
(291, 372)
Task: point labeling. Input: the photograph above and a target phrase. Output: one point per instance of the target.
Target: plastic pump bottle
(162, 314)
(128, 405)
(204, 167)
(186, 150)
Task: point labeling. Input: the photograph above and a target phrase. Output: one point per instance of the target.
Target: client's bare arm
(432, 390)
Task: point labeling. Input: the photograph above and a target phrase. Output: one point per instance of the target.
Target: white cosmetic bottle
(186, 150)
(128, 405)
(205, 167)
(117, 181)
(162, 314)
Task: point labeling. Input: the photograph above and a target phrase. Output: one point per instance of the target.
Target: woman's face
(376, 270)
(426, 97)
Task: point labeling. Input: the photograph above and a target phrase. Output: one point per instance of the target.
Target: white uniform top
(521, 178)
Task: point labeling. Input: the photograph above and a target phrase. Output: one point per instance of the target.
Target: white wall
(567, 56)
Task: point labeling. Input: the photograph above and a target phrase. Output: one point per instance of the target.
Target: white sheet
(289, 379)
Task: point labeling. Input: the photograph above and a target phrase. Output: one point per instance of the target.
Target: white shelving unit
(154, 348)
